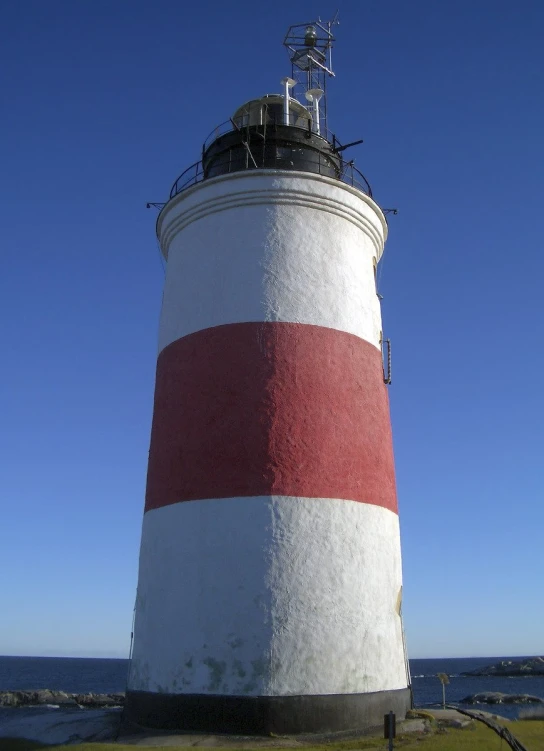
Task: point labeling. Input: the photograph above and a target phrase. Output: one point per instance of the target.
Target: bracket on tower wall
(387, 372)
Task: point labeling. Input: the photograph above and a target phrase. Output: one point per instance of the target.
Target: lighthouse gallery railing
(314, 162)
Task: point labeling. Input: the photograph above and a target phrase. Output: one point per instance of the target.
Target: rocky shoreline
(60, 698)
(511, 668)
(496, 697)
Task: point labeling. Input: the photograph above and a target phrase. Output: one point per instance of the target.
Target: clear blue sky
(103, 105)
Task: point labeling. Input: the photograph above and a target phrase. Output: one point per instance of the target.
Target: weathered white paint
(269, 596)
(271, 246)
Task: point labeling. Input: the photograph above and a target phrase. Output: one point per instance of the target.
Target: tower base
(263, 715)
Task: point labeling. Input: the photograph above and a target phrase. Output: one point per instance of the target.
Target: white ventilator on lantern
(288, 84)
(270, 580)
(313, 96)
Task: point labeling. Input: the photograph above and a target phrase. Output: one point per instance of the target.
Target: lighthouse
(270, 583)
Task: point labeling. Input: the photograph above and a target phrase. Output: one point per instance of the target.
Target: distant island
(60, 698)
(511, 669)
(495, 697)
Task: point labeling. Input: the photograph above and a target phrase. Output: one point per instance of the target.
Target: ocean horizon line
(95, 656)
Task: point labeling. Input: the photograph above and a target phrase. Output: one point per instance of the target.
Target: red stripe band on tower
(253, 409)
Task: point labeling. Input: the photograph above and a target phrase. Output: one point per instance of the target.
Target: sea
(84, 675)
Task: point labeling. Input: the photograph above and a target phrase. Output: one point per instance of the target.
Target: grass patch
(476, 737)
(19, 744)
(529, 732)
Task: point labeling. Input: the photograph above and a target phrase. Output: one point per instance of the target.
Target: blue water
(72, 674)
(428, 689)
(82, 675)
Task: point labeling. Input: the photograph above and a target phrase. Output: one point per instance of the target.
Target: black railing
(192, 175)
(273, 158)
(230, 125)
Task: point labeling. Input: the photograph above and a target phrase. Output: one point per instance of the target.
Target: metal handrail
(191, 176)
(354, 177)
(229, 126)
(349, 174)
(219, 130)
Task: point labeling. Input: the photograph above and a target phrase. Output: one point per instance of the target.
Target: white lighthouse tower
(269, 591)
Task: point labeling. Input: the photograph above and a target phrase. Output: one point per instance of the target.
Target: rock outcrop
(512, 668)
(495, 697)
(61, 698)
(62, 726)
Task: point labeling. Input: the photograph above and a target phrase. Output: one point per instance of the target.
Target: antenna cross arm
(323, 67)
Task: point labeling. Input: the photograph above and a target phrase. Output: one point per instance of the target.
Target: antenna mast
(309, 46)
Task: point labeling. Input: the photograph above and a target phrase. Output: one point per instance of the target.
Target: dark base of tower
(262, 715)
